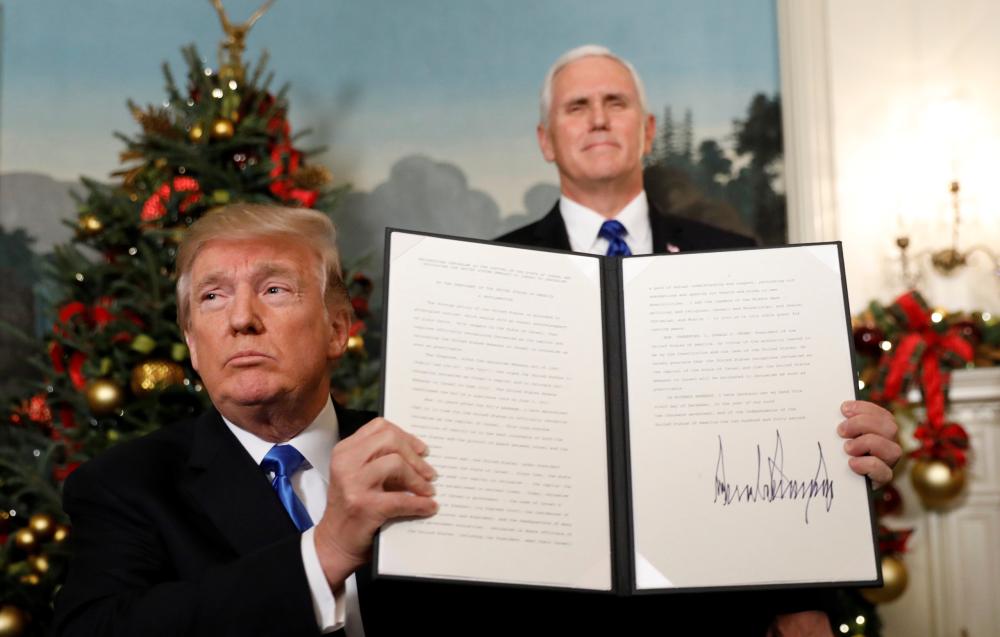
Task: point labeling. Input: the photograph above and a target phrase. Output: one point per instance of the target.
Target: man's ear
(545, 143)
(192, 350)
(341, 317)
(648, 133)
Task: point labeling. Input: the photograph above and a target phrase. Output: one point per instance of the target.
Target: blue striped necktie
(613, 231)
(283, 461)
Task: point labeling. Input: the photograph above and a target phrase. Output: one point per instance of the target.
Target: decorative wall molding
(810, 180)
(955, 561)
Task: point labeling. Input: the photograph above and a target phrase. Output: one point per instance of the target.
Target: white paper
(494, 359)
(738, 363)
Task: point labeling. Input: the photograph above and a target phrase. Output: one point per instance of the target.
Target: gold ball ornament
(894, 580)
(13, 621)
(31, 579)
(42, 525)
(39, 564)
(89, 224)
(356, 344)
(936, 482)
(104, 397)
(196, 133)
(25, 540)
(61, 533)
(155, 375)
(222, 129)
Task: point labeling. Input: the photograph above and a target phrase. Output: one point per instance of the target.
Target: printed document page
(494, 359)
(738, 363)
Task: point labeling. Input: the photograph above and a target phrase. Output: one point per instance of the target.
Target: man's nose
(599, 117)
(244, 314)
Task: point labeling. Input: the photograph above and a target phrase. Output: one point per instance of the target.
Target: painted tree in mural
(752, 190)
(114, 365)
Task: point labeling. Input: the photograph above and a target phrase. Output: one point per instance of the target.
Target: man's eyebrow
(260, 271)
(576, 101)
(210, 280)
(269, 268)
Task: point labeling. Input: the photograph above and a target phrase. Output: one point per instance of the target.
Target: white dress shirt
(334, 609)
(583, 225)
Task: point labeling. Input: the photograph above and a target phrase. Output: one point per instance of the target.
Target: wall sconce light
(946, 261)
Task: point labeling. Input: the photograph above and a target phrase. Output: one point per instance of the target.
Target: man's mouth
(604, 143)
(247, 357)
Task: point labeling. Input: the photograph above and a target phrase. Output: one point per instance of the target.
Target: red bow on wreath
(891, 541)
(927, 355)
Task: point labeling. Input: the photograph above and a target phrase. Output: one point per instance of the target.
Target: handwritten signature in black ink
(777, 486)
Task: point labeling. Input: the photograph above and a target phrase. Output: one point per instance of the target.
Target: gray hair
(587, 50)
(251, 221)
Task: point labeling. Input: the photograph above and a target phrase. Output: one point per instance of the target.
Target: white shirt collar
(314, 442)
(583, 224)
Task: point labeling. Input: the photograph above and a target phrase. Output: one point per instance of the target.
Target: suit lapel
(349, 420)
(665, 232)
(550, 231)
(229, 487)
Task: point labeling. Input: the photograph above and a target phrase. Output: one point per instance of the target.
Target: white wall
(866, 84)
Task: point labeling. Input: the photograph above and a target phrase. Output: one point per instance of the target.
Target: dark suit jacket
(180, 533)
(685, 234)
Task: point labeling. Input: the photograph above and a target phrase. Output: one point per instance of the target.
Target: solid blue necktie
(613, 231)
(283, 461)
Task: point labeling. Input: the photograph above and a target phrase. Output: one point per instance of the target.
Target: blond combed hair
(253, 221)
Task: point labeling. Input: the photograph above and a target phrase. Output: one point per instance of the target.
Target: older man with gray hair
(253, 518)
(596, 128)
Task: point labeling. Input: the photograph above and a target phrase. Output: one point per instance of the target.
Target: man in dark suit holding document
(595, 127)
(257, 517)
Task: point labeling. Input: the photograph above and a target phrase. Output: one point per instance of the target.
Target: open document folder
(637, 424)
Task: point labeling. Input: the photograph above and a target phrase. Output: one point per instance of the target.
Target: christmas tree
(115, 365)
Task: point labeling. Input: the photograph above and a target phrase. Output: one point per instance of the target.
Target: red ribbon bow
(947, 442)
(286, 160)
(893, 542)
(928, 356)
(156, 206)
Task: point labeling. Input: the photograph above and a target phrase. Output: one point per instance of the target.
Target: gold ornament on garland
(104, 397)
(39, 564)
(60, 534)
(196, 133)
(936, 482)
(31, 579)
(89, 224)
(25, 540)
(222, 129)
(42, 525)
(155, 375)
(894, 579)
(13, 621)
(356, 344)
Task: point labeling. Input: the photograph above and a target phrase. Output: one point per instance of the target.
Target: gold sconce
(946, 261)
